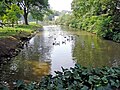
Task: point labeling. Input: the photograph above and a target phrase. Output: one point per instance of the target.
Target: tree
(27, 6)
(38, 14)
(13, 14)
(2, 9)
(98, 16)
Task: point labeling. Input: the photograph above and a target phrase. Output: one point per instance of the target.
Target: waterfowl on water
(56, 43)
(63, 42)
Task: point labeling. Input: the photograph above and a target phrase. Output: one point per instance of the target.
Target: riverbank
(98, 19)
(12, 40)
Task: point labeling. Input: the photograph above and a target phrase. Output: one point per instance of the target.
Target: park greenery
(77, 78)
(12, 10)
(14, 13)
(19, 29)
(97, 16)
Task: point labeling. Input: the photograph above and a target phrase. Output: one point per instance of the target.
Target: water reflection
(61, 53)
(92, 51)
(25, 70)
(57, 47)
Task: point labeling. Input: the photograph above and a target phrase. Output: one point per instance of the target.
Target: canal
(56, 47)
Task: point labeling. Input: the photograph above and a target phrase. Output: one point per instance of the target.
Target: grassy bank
(12, 40)
(18, 29)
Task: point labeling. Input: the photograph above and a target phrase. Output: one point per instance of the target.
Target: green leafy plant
(13, 14)
(77, 78)
(97, 16)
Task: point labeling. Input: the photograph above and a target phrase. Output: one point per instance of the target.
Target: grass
(12, 31)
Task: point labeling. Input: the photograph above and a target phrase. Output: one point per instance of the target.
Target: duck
(54, 38)
(64, 42)
(71, 37)
(58, 43)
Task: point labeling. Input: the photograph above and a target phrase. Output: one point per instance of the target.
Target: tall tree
(27, 6)
(2, 9)
(13, 14)
(38, 14)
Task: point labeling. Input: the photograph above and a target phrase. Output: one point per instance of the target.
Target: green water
(57, 47)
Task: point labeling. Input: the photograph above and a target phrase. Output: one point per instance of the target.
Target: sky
(60, 5)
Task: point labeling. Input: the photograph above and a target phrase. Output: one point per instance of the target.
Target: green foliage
(97, 24)
(116, 36)
(19, 29)
(2, 9)
(97, 16)
(36, 8)
(13, 14)
(65, 19)
(39, 14)
(77, 78)
(28, 6)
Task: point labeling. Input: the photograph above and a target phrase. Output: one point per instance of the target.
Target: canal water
(57, 47)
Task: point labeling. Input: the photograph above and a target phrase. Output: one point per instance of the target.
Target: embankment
(12, 45)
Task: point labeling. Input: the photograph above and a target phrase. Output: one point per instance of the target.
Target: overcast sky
(60, 5)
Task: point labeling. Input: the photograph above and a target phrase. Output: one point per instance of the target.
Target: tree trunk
(12, 23)
(36, 21)
(25, 17)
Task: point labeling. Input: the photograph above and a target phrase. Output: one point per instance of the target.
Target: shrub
(116, 36)
(77, 78)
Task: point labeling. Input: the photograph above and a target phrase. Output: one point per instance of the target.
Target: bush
(116, 36)
(83, 78)
(77, 78)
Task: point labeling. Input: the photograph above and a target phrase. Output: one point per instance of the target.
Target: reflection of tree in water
(27, 65)
(45, 46)
(39, 48)
(92, 51)
(24, 70)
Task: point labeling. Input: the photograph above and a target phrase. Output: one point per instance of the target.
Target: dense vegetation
(97, 16)
(12, 10)
(77, 78)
